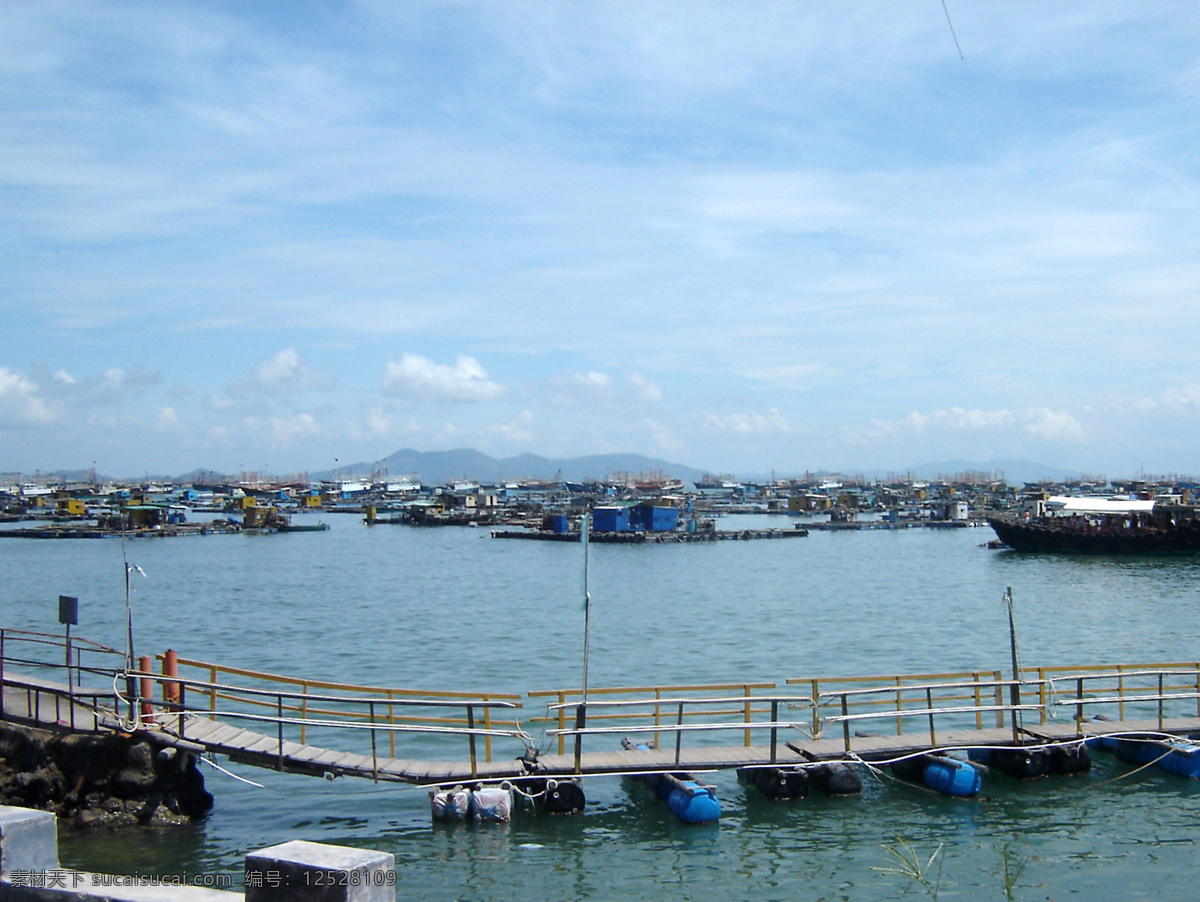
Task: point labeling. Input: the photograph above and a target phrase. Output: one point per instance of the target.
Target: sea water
(452, 608)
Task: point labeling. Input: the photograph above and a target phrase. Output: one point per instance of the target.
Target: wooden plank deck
(261, 750)
(41, 703)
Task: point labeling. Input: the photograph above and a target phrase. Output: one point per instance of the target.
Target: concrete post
(301, 871)
(28, 840)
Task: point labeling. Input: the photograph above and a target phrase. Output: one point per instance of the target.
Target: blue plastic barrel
(693, 804)
(952, 777)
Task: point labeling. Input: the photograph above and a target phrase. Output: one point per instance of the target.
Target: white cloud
(1040, 422)
(287, 371)
(284, 431)
(593, 380)
(1186, 396)
(168, 419)
(518, 431)
(743, 424)
(646, 390)
(416, 377)
(282, 373)
(20, 404)
(1054, 426)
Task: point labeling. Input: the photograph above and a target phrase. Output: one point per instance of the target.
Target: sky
(741, 236)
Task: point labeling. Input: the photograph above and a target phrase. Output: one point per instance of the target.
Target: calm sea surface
(451, 608)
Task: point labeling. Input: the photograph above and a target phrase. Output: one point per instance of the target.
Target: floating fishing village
(628, 508)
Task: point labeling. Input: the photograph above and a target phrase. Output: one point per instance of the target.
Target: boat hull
(1039, 535)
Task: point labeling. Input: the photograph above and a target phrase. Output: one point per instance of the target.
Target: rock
(100, 779)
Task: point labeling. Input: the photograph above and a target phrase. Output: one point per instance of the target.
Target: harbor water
(451, 608)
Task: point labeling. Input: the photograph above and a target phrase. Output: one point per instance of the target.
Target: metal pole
(70, 685)
(587, 605)
(581, 712)
(1015, 689)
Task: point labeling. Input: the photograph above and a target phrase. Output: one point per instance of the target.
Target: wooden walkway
(261, 750)
(287, 726)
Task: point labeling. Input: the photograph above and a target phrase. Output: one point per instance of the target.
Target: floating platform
(81, 531)
(652, 538)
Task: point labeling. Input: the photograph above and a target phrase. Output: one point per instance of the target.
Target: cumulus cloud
(286, 371)
(168, 419)
(20, 403)
(1052, 425)
(1182, 397)
(108, 387)
(283, 372)
(416, 377)
(285, 431)
(646, 390)
(748, 423)
(519, 430)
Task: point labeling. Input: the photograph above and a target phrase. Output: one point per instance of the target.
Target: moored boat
(1102, 526)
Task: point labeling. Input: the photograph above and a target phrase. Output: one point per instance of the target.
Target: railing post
(374, 757)
(998, 678)
(2, 674)
(978, 702)
(1079, 706)
(746, 691)
(562, 722)
(487, 740)
(392, 723)
(170, 667)
(1014, 693)
(1160, 701)
(182, 709)
(678, 734)
(1042, 700)
(657, 715)
(816, 708)
(471, 739)
(212, 692)
(845, 723)
(929, 706)
(279, 728)
(146, 689)
(774, 728)
(580, 723)
(304, 712)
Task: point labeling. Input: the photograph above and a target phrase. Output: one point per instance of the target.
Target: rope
(229, 773)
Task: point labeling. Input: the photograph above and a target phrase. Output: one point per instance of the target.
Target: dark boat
(1152, 529)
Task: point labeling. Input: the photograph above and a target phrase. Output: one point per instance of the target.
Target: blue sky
(742, 236)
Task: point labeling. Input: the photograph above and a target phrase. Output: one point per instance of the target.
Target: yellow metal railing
(309, 702)
(981, 690)
(661, 703)
(1124, 691)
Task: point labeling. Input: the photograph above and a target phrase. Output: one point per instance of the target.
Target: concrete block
(28, 840)
(301, 871)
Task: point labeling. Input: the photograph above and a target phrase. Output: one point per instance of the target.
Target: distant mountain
(437, 467)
